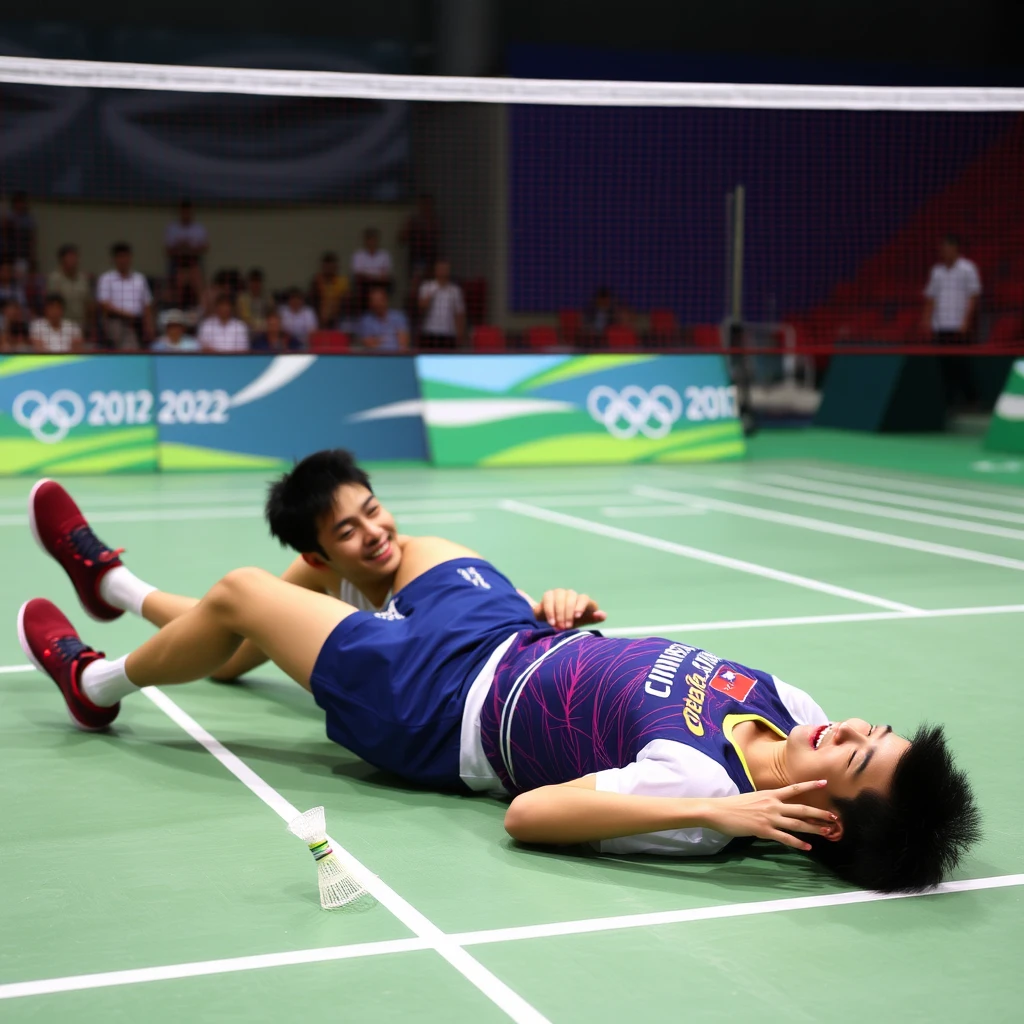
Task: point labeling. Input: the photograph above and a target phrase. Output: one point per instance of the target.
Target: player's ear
(836, 832)
(313, 560)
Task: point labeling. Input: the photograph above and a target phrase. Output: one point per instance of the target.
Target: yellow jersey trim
(730, 722)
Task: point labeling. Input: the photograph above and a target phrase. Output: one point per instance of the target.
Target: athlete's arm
(249, 656)
(576, 812)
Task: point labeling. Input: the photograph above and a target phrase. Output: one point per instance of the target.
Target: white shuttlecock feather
(338, 885)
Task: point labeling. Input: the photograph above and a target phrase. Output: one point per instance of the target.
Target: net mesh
(571, 214)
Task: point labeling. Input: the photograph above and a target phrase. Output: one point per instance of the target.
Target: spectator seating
(488, 339)
(1007, 330)
(620, 337)
(570, 325)
(327, 342)
(664, 325)
(707, 336)
(540, 338)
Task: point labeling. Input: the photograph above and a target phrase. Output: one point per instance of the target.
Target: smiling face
(358, 536)
(851, 756)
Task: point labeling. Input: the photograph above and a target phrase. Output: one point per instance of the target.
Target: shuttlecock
(338, 885)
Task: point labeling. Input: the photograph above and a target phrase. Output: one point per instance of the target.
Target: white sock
(123, 589)
(106, 682)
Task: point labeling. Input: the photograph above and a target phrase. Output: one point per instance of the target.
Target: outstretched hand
(565, 609)
(772, 814)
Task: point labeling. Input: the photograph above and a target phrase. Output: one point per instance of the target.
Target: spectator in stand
(421, 234)
(383, 329)
(53, 332)
(951, 302)
(602, 312)
(297, 318)
(224, 332)
(10, 287)
(254, 304)
(68, 281)
(125, 301)
(175, 337)
(371, 267)
(275, 338)
(186, 243)
(328, 292)
(443, 309)
(14, 329)
(19, 232)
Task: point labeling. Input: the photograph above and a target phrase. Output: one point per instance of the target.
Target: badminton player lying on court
(636, 746)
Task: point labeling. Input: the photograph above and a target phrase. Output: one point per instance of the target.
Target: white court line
(910, 500)
(489, 984)
(660, 917)
(811, 620)
(73, 983)
(892, 540)
(648, 511)
(408, 511)
(170, 515)
(864, 508)
(699, 555)
(904, 486)
(201, 968)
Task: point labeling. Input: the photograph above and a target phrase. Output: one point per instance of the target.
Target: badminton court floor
(148, 872)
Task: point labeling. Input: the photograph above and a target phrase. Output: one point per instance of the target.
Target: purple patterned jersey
(565, 705)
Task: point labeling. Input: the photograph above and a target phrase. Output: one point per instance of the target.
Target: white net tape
(252, 81)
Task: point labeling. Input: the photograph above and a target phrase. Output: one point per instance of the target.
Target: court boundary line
(865, 508)
(827, 526)
(795, 620)
(488, 983)
(486, 936)
(803, 483)
(699, 554)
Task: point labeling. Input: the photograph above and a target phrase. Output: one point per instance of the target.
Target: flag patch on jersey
(727, 680)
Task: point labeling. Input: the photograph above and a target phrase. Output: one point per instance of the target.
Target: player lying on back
(640, 745)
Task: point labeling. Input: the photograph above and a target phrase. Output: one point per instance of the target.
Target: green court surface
(148, 872)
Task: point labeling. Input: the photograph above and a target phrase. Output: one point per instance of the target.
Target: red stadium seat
(541, 337)
(1007, 330)
(620, 337)
(488, 339)
(570, 322)
(707, 336)
(326, 342)
(1008, 294)
(664, 323)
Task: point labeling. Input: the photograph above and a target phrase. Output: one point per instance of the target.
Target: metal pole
(737, 256)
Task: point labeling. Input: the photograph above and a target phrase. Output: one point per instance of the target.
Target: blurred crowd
(70, 309)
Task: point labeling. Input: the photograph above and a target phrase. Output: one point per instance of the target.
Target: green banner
(570, 410)
(1006, 430)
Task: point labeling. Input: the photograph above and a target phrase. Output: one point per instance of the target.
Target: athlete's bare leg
(289, 623)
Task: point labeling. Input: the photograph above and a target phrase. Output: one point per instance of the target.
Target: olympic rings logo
(63, 410)
(633, 411)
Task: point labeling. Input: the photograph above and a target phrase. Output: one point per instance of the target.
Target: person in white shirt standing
(125, 301)
(53, 332)
(224, 332)
(371, 267)
(951, 302)
(185, 242)
(443, 309)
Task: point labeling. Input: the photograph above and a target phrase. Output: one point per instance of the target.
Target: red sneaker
(62, 531)
(53, 646)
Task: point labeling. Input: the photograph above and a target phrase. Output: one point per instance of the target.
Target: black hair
(329, 256)
(54, 297)
(909, 840)
(65, 249)
(119, 247)
(953, 240)
(300, 498)
(255, 274)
